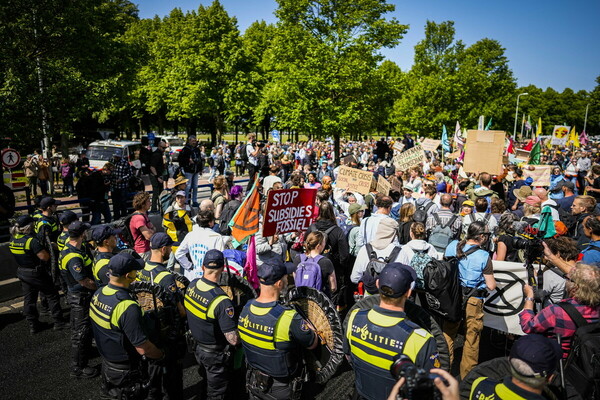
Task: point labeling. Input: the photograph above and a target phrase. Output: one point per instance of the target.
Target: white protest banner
(560, 135)
(383, 186)
(410, 158)
(354, 180)
(502, 307)
(289, 210)
(540, 175)
(398, 146)
(430, 144)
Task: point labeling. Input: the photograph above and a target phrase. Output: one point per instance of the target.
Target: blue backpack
(308, 272)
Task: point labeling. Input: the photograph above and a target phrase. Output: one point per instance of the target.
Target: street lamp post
(586, 113)
(517, 114)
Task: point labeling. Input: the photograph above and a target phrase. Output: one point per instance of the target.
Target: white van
(102, 151)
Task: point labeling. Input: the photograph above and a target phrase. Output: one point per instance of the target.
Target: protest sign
(349, 160)
(430, 144)
(560, 135)
(289, 210)
(484, 151)
(354, 180)
(502, 307)
(410, 158)
(398, 146)
(383, 186)
(522, 155)
(540, 175)
(396, 184)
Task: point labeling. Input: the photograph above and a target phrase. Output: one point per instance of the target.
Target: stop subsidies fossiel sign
(289, 210)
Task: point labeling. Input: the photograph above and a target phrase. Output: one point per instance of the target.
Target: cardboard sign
(398, 146)
(349, 160)
(522, 155)
(289, 210)
(396, 184)
(560, 135)
(430, 144)
(354, 180)
(383, 186)
(484, 151)
(502, 307)
(410, 158)
(540, 175)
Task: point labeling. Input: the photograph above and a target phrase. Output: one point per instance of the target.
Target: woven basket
(147, 303)
(317, 317)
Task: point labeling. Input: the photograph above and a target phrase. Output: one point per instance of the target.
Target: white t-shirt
(362, 259)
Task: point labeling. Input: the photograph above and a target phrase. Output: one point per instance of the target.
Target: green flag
(489, 125)
(536, 153)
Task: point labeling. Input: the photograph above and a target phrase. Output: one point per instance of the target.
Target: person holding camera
(252, 152)
(476, 276)
(192, 163)
(380, 338)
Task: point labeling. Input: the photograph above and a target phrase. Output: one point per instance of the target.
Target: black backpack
(244, 154)
(228, 212)
(582, 368)
(443, 290)
(375, 266)
(421, 213)
(126, 236)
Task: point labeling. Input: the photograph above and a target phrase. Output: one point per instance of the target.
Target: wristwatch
(529, 299)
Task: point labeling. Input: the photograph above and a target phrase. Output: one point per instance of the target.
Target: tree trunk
(176, 128)
(236, 134)
(191, 126)
(336, 141)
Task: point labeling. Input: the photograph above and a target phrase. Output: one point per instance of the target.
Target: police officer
(533, 360)
(212, 323)
(29, 254)
(65, 219)
(117, 324)
(105, 238)
(272, 335)
(376, 337)
(76, 268)
(169, 375)
(46, 225)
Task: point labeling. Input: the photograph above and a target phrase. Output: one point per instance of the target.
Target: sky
(551, 43)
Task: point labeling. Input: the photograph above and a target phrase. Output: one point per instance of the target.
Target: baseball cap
(539, 352)
(180, 193)
(48, 201)
(124, 263)
(66, 217)
(78, 228)
(468, 203)
(408, 186)
(118, 153)
(355, 207)
(214, 259)
(24, 220)
(160, 240)
(398, 277)
(562, 184)
(103, 232)
(533, 201)
(271, 272)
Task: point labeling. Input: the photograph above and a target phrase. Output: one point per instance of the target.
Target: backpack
(308, 272)
(441, 235)
(340, 220)
(327, 249)
(164, 200)
(244, 154)
(375, 266)
(404, 232)
(418, 262)
(582, 368)
(210, 161)
(123, 224)
(443, 290)
(228, 212)
(421, 212)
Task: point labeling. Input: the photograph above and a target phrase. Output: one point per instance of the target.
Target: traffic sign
(276, 136)
(10, 158)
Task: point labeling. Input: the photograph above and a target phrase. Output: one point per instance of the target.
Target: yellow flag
(539, 128)
(573, 138)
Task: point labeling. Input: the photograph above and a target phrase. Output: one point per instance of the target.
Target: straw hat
(180, 180)
(523, 192)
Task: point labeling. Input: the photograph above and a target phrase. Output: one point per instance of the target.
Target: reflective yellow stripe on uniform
(474, 386)
(159, 277)
(194, 307)
(98, 266)
(65, 260)
(282, 328)
(371, 359)
(213, 305)
(263, 344)
(415, 343)
(99, 317)
(119, 310)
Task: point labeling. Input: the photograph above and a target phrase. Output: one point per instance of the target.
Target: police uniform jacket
(375, 338)
(487, 388)
(62, 240)
(46, 225)
(117, 324)
(209, 312)
(100, 268)
(162, 277)
(25, 248)
(272, 335)
(75, 266)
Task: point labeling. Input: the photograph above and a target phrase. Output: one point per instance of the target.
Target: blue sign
(151, 136)
(275, 135)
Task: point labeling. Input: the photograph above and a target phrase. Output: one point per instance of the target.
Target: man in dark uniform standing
(168, 376)
(76, 268)
(377, 336)
(118, 329)
(46, 225)
(212, 323)
(65, 219)
(29, 254)
(105, 238)
(272, 335)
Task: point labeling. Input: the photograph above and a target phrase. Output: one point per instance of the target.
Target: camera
(530, 241)
(419, 382)
(260, 144)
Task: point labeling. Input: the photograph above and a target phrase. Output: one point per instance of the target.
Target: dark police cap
(539, 352)
(160, 240)
(48, 201)
(78, 228)
(271, 272)
(214, 259)
(24, 220)
(398, 278)
(103, 232)
(66, 217)
(123, 263)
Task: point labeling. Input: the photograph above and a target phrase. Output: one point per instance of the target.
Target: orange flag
(245, 221)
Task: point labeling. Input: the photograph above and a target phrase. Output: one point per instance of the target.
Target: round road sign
(10, 158)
